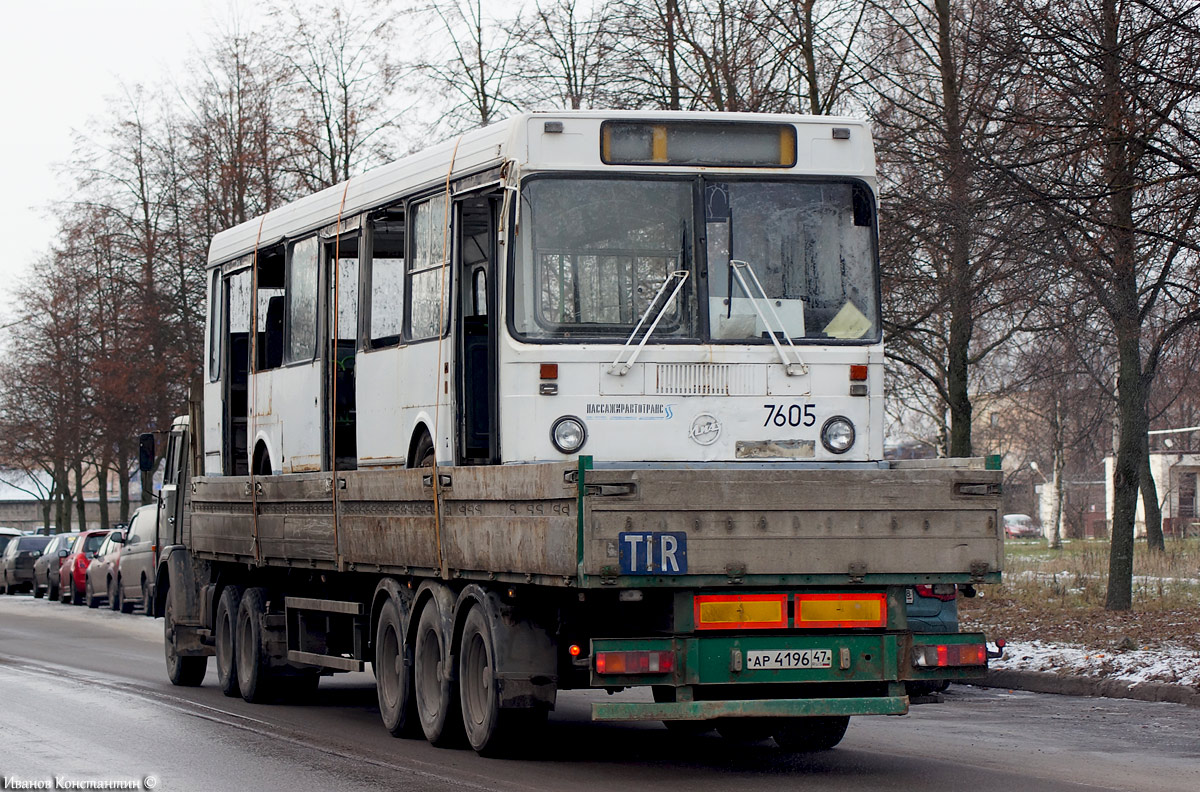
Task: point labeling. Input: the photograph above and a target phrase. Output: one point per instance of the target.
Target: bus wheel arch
(261, 461)
(420, 447)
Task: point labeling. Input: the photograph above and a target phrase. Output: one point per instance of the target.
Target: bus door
(339, 412)
(476, 370)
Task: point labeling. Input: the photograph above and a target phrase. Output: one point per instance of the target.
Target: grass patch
(1058, 595)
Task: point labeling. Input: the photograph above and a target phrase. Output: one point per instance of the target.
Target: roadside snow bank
(1176, 666)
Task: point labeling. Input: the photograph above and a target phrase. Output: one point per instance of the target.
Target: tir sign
(649, 553)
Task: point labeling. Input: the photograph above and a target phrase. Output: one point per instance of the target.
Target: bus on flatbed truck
(578, 400)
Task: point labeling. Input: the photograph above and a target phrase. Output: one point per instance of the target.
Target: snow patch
(1170, 664)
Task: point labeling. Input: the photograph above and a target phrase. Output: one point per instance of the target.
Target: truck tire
(255, 676)
(437, 693)
(393, 668)
(804, 735)
(147, 603)
(224, 629)
(182, 671)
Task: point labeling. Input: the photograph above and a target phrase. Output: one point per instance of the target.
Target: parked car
(72, 575)
(139, 555)
(1020, 526)
(16, 563)
(46, 568)
(101, 578)
(6, 534)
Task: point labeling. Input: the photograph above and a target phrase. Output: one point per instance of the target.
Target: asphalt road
(83, 696)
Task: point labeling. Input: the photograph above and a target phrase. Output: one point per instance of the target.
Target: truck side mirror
(146, 452)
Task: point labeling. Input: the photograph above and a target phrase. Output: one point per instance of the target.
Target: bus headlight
(568, 434)
(837, 435)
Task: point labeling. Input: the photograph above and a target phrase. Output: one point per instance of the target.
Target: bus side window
(385, 301)
(429, 287)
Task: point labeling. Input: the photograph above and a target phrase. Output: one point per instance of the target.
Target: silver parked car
(139, 555)
(45, 569)
(102, 574)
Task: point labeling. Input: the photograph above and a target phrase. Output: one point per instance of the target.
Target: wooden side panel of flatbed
(518, 520)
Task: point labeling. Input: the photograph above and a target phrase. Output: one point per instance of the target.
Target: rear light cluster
(81, 562)
(943, 591)
(942, 655)
(635, 662)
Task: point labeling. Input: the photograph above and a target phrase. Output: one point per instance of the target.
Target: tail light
(943, 591)
(942, 655)
(81, 561)
(635, 662)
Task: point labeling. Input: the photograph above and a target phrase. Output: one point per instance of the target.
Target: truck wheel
(393, 671)
(182, 671)
(437, 693)
(92, 600)
(255, 677)
(147, 603)
(803, 735)
(744, 731)
(227, 613)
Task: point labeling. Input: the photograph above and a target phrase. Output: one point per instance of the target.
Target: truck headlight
(568, 434)
(837, 435)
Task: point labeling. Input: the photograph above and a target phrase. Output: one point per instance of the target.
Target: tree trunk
(959, 276)
(123, 471)
(102, 489)
(1150, 506)
(1131, 409)
(80, 503)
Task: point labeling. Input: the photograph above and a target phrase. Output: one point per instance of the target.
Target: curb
(1045, 682)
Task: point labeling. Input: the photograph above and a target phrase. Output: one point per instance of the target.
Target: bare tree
(954, 280)
(472, 70)
(566, 54)
(341, 76)
(1114, 117)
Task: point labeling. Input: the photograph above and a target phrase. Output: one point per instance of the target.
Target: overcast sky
(61, 59)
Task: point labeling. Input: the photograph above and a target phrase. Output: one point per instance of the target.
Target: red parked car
(72, 575)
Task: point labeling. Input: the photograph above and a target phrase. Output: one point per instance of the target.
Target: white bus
(640, 287)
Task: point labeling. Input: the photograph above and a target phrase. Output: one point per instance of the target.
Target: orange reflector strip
(740, 611)
(549, 371)
(858, 373)
(841, 610)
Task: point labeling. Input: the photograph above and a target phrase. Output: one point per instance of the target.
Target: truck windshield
(810, 245)
(794, 258)
(597, 252)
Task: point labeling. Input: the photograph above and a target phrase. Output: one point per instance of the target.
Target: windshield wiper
(759, 301)
(621, 369)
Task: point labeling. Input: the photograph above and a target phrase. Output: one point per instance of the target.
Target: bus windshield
(794, 258)
(596, 254)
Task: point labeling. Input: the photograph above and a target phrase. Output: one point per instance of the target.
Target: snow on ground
(1176, 666)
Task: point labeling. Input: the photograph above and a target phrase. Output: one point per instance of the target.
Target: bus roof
(471, 152)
